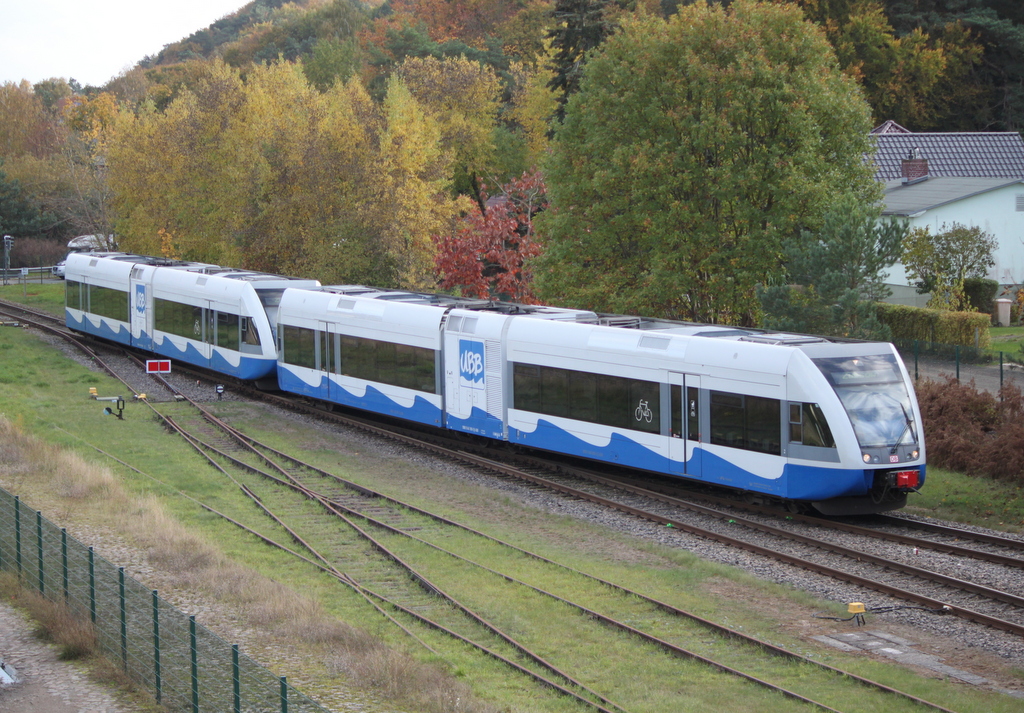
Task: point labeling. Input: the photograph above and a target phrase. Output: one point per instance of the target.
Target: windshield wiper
(906, 425)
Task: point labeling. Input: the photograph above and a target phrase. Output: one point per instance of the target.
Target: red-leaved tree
(487, 256)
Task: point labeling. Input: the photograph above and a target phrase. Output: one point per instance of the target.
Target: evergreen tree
(580, 27)
(18, 217)
(836, 274)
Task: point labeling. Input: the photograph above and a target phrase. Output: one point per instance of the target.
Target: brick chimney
(914, 167)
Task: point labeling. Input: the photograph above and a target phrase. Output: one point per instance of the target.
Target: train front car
(876, 425)
(785, 418)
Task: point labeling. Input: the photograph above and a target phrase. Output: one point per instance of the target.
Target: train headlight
(915, 454)
(867, 457)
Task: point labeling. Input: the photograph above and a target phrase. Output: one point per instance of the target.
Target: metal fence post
(92, 585)
(956, 350)
(236, 680)
(284, 694)
(39, 552)
(195, 662)
(157, 679)
(64, 560)
(17, 531)
(917, 352)
(1000, 376)
(124, 618)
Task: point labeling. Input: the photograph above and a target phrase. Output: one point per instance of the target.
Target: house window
(1020, 202)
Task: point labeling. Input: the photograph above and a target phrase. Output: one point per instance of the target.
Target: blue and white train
(807, 420)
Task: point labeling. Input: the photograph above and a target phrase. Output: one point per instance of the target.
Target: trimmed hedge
(936, 325)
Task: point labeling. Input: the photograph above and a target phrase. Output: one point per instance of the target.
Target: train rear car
(197, 313)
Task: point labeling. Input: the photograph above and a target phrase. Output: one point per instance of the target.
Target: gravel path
(47, 685)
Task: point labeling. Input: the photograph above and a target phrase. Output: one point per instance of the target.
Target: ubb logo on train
(471, 361)
(140, 299)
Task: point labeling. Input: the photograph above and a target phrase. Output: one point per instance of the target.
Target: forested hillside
(386, 143)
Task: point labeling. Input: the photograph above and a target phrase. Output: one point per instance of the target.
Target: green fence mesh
(184, 665)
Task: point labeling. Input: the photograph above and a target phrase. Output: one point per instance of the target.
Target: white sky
(94, 40)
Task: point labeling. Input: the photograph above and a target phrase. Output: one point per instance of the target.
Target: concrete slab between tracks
(901, 650)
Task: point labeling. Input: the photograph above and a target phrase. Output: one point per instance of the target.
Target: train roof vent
(200, 281)
(652, 342)
(346, 304)
(623, 322)
(786, 340)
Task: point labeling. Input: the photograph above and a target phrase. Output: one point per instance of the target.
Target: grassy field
(46, 395)
(1009, 341)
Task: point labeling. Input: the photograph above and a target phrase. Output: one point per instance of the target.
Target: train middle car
(201, 314)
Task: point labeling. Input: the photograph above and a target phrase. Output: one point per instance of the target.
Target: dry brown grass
(74, 636)
(64, 482)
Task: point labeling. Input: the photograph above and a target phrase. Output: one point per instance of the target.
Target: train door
(207, 332)
(685, 444)
(141, 301)
(327, 355)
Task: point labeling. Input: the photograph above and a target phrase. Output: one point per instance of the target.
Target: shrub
(966, 329)
(972, 431)
(981, 293)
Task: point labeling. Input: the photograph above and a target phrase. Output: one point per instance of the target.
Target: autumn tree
(18, 215)
(942, 263)
(694, 148)
(187, 170)
(461, 96)
(915, 77)
(272, 174)
(489, 255)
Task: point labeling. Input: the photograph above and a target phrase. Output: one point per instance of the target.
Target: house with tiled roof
(954, 154)
(936, 179)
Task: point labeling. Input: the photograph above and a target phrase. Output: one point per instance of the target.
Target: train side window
(177, 318)
(677, 411)
(73, 294)
(526, 387)
(403, 365)
(324, 351)
(227, 330)
(298, 346)
(583, 396)
(249, 334)
(752, 423)
(644, 398)
(613, 402)
(555, 392)
(107, 302)
(807, 425)
(692, 413)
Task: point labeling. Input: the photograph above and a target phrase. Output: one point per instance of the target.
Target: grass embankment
(42, 393)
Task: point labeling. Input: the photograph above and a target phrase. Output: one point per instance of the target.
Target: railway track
(367, 512)
(340, 503)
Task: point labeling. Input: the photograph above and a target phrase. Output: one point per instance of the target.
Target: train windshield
(875, 397)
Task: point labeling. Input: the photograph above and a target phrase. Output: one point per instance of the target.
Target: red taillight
(907, 478)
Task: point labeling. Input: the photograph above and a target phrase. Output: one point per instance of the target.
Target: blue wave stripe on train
(421, 411)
